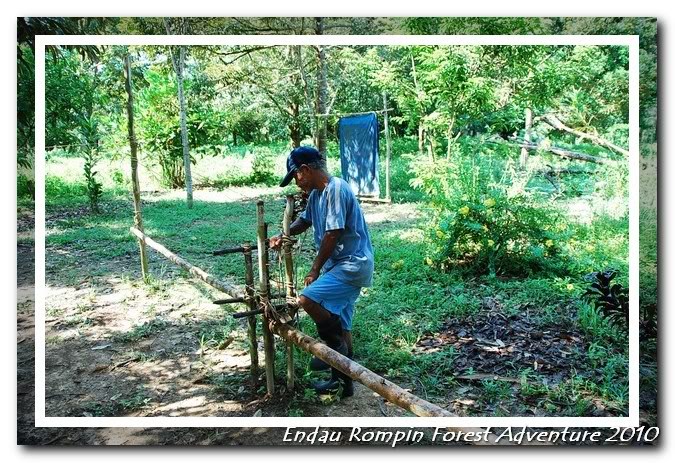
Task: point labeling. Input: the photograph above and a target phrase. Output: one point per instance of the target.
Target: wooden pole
(263, 259)
(133, 145)
(290, 285)
(390, 391)
(252, 305)
(222, 286)
(388, 138)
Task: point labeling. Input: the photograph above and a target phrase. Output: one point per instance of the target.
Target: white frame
(631, 41)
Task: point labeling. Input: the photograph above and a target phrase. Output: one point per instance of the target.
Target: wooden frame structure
(260, 305)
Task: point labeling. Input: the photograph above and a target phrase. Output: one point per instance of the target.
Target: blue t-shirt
(336, 208)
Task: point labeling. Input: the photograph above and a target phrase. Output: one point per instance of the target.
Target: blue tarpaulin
(359, 152)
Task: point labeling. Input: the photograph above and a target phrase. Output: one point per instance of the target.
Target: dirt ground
(113, 348)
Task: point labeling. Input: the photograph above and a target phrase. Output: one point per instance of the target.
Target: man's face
(303, 178)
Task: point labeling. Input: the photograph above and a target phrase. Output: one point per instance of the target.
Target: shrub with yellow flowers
(478, 225)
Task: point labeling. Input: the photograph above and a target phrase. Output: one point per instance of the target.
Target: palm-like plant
(610, 299)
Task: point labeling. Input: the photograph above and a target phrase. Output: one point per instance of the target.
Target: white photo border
(41, 41)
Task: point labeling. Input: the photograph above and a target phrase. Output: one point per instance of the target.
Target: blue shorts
(335, 296)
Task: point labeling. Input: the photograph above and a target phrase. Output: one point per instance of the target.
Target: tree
(178, 66)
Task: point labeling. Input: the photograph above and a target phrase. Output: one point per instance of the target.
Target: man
(344, 262)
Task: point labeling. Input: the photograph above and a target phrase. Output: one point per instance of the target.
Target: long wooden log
(559, 151)
(390, 391)
(227, 288)
(557, 124)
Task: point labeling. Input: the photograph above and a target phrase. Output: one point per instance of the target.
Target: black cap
(298, 157)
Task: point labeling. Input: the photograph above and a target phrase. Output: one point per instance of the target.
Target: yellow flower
(485, 227)
(464, 210)
(439, 233)
(570, 287)
(428, 261)
(549, 243)
(491, 243)
(489, 202)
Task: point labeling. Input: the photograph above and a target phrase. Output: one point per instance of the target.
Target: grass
(408, 298)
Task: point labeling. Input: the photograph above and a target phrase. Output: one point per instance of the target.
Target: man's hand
(311, 277)
(275, 242)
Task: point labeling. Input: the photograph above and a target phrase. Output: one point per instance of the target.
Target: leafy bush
(483, 219)
(25, 187)
(94, 187)
(263, 168)
(57, 188)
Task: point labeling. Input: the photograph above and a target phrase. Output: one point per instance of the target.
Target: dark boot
(333, 384)
(331, 332)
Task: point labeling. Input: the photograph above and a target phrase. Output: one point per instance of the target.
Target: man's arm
(297, 227)
(328, 243)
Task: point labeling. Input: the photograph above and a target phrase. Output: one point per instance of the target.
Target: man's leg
(329, 327)
(314, 310)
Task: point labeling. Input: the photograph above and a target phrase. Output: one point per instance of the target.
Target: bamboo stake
(133, 144)
(387, 195)
(290, 286)
(252, 305)
(222, 286)
(263, 259)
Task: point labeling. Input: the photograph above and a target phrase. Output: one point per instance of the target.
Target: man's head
(306, 166)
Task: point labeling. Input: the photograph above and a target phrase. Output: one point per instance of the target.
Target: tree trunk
(133, 145)
(294, 126)
(178, 67)
(524, 152)
(307, 92)
(183, 127)
(322, 92)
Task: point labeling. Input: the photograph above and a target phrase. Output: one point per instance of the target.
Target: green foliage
(263, 168)
(25, 187)
(94, 187)
(610, 298)
(482, 223)
(160, 131)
